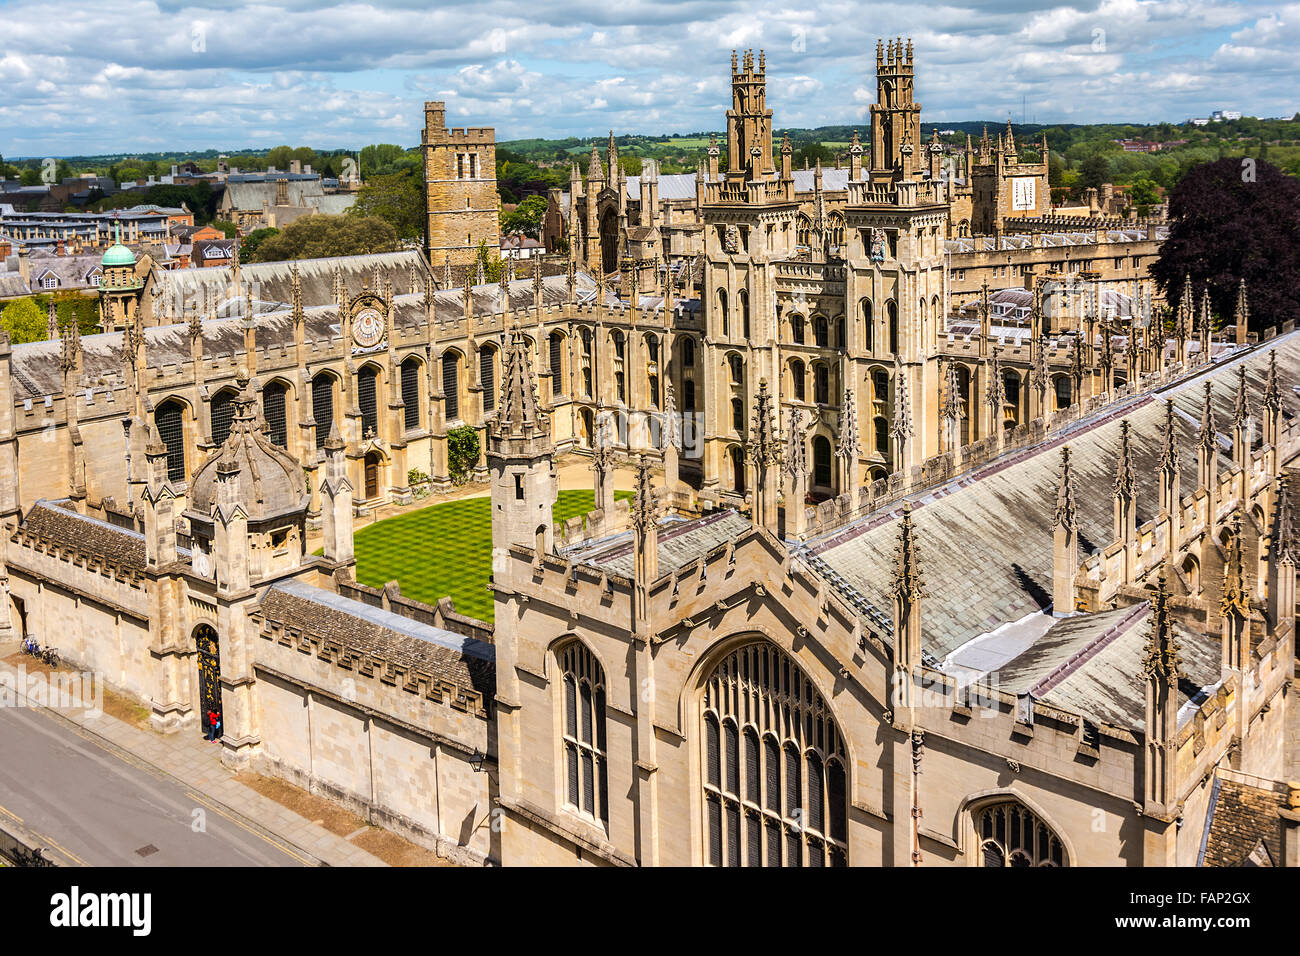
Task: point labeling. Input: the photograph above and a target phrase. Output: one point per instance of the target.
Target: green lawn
(444, 550)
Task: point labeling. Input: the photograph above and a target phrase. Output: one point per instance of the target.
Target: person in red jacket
(213, 723)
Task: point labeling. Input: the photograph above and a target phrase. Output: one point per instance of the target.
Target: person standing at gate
(212, 725)
(216, 733)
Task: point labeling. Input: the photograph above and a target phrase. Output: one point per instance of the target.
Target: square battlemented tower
(460, 183)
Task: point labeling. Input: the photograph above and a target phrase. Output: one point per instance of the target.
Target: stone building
(460, 182)
(1010, 585)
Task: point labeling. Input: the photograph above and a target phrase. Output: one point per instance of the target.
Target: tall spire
(1066, 514)
(1207, 434)
(1241, 408)
(1236, 597)
(1125, 477)
(908, 584)
(1161, 658)
(1169, 447)
(849, 448)
(763, 450)
(517, 413)
(1272, 394)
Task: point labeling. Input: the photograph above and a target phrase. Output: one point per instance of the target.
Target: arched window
(891, 314)
(796, 329)
(882, 437)
(451, 385)
(1011, 389)
(821, 383)
(487, 373)
(1012, 835)
(368, 399)
(688, 352)
(737, 469)
(797, 379)
(585, 774)
(838, 340)
(222, 410)
(558, 378)
(820, 334)
(822, 461)
(868, 328)
(722, 311)
(274, 406)
(744, 313)
(586, 342)
(737, 415)
(411, 393)
(775, 790)
(1062, 384)
(170, 419)
(737, 368)
(322, 406)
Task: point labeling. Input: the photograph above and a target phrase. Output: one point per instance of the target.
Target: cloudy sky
(136, 75)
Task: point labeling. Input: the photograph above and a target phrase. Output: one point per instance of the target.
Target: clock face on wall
(367, 328)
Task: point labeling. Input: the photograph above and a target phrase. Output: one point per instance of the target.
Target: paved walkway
(194, 762)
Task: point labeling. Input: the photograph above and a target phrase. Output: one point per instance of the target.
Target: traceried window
(322, 407)
(368, 399)
(586, 786)
(487, 368)
(411, 394)
(451, 386)
(222, 410)
(775, 786)
(1012, 835)
(170, 419)
(273, 410)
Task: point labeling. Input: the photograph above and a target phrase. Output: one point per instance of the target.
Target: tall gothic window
(451, 385)
(585, 776)
(557, 364)
(170, 419)
(775, 787)
(411, 394)
(222, 410)
(273, 410)
(368, 399)
(688, 353)
(487, 377)
(1012, 835)
(322, 407)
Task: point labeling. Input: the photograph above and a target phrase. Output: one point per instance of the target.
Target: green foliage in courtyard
(462, 453)
(445, 550)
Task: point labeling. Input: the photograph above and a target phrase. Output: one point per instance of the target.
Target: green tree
(30, 177)
(254, 239)
(229, 229)
(526, 218)
(490, 260)
(462, 453)
(321, 237)
(24, 321)
(377, 158)
(397, 199)
(1094, 171)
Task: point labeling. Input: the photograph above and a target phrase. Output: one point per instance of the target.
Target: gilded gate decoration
(209, 673)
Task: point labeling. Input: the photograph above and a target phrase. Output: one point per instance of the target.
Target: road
(103, 810)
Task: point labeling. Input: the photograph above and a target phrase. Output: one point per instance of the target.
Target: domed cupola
(269, 480)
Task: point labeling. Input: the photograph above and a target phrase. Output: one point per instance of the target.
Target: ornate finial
(849, 447)
(1161, 659)
(1272, 394)
(902, 425)
(672, 427)
(1282, 534)
(643, 501)
(996, 396)
(1066, 514)
(762, 444)
(1241, 409)
(1207, 434)
(517, 413)
(1236, 599)
(71, 346)
(1125, 479)
(1243, 305)
(295, 287)
(952, 401)
(1169, 449)
(467, 298)
(794, 462)
(908, 584)
(52, 320)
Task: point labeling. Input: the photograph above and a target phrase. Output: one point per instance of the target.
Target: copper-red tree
(1231, 220)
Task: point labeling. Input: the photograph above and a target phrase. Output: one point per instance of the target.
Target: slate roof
(90, 536)
(443, 655)
(680, 543)
(1239, 820)
(36, 370)
(986, 539)
(1092, 665)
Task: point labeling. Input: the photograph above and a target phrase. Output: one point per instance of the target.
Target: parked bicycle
(50, 656)
(30, 646)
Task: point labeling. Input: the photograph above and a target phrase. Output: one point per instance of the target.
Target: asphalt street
(104, 810)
